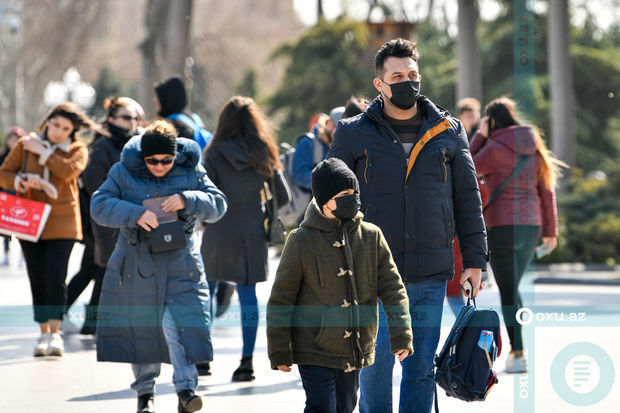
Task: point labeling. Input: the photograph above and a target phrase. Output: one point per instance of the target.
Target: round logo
(18, 212)
(582, 374)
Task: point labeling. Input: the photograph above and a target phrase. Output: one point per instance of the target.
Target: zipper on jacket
(445, 170)
(366, 169)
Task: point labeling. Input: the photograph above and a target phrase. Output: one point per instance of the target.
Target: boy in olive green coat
(322, 314)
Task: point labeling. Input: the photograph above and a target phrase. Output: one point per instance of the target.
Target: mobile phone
(542, 250)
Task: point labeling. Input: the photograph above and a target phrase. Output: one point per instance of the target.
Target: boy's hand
(284, 368)
(402, 354)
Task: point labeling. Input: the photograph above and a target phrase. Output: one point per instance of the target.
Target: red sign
(22, 217)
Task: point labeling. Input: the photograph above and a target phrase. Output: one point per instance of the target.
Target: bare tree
(469, 77)
(563, 136)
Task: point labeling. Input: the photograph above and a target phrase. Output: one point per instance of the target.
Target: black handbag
(168, 236)
(275, 230)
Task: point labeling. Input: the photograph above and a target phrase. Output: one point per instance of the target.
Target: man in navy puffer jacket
(418, 184)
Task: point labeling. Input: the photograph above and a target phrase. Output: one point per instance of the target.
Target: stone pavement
(77, 383)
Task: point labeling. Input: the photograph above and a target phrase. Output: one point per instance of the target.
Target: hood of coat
(520, 139)
(430, 112)
(188, 156)
(234, 154)
(172, 96)
(315, 219)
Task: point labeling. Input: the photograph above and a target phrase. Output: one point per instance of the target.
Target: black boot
(189, 402)
(204, 368)
(146, 403)
(223, 296)
(245, 371)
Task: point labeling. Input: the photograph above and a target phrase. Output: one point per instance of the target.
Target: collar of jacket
(188, 156)
(315, 219)
(430, 112)
(119, 136)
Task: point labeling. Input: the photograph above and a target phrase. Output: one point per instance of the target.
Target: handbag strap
(507, 181)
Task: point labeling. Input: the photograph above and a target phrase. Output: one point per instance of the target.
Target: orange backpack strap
(428, 135)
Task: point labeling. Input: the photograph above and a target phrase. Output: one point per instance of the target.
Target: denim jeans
(417, 385)
(185, 375)
(329, 390)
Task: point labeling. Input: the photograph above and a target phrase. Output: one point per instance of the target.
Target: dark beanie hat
(153, 143)
(172, 96)
(331, 177)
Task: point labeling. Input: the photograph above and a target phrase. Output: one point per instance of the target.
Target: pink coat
(526, 200)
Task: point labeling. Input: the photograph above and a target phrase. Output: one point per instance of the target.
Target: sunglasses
(127, 117)
(153, 161)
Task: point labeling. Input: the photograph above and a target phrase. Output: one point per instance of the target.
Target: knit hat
(153, 143)
(172, 96)
(331, 177)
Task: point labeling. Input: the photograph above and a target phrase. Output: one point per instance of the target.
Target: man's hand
(284, 368)
(173, 203)
(402, 354)
(148, 220)
(475, 276)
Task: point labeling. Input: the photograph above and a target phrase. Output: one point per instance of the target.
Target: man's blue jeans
(185, 376)
(417, 385)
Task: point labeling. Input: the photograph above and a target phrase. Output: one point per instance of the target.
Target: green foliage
(325, 66)
(247, 86)
(437, 63)
(589, 218)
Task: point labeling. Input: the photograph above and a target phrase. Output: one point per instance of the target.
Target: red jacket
(526, 200)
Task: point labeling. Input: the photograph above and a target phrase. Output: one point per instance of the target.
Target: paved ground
(77, 383)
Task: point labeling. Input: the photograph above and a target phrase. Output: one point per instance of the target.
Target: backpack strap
(317, 148)
(507, 181)
(428, 135)
(185, 119)
(436, 400)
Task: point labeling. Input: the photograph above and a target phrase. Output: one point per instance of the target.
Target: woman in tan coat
(45, 167)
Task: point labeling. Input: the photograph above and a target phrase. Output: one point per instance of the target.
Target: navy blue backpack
(464, 367)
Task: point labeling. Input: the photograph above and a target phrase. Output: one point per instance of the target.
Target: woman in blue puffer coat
(154, 306)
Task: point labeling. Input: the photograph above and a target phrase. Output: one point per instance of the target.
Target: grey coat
(235, 248)
(137, 283)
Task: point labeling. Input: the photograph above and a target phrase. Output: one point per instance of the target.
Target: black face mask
(347, 207)
(404, 94)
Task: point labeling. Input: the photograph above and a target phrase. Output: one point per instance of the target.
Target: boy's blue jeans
(417, 385)
(185, 376)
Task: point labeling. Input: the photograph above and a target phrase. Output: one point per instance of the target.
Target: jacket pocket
(368, 166)
(320, 272)
(443, 168)
(332, 336)
(448, 217)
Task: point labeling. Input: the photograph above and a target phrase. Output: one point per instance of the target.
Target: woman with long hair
(45, 167)
(517, 216)
(154, 304)
(242, 160)
(123, 116)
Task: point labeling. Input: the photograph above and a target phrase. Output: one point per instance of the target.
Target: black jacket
(235, 248)
(418, 215)
(103, 153)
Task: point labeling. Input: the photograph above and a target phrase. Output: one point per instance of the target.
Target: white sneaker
(40, 349)
(55, 346)
(516, 364)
